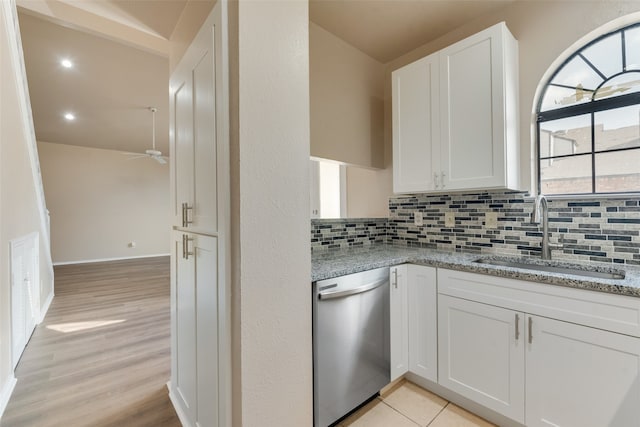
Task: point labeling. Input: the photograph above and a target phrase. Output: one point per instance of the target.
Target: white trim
(45, 308)
(184, 420)
(88, 261)
(17, 59)
(5, 393)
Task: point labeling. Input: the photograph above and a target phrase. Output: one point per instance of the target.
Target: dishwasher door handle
(354, 291)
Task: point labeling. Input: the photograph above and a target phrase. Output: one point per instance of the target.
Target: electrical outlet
(449, 219)
(491, 220)
(131, 244)
(417, 219)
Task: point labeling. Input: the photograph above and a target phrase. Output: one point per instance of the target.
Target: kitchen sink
(574, 270)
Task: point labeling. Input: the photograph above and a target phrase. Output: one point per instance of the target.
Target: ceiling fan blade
(160, 160)
(138, 156)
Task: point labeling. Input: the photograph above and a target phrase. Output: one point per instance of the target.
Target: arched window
(588, 119)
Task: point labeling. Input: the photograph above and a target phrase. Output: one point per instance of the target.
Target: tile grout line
(438, 414)
(382, 400)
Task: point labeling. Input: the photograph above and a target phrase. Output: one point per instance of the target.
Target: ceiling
(120, 54)
(387, 29)
(112, 83)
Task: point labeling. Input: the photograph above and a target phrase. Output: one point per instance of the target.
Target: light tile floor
(407, 405)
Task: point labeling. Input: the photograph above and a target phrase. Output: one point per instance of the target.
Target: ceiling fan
(153, 153)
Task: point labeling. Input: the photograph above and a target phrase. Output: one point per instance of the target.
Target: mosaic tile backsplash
(342, 233)
(593, 230)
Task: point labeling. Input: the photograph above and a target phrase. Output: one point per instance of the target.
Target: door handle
(517, 326)
(394, 273)
(530, 329)
(358, 290)
(185, 214)
(185, 246)
(435, 180)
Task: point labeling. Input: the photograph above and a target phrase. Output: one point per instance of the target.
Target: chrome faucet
(540, 214)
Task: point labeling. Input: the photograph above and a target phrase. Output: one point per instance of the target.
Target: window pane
(618, 128)
(576, 73)
(566, 175)
(632, 48)
(618, 171)
(565, 136)
(558, 97)
(606, 55)
(329, 190)
(621, 85)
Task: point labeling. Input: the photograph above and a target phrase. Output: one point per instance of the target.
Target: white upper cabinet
(415, 126)
(194, 142)
(455, 117)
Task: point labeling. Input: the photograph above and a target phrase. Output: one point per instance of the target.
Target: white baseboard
(184, 420)
(45, 308)
(88, 261)
(5, 393)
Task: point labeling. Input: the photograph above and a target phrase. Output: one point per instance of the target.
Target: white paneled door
(25, 292)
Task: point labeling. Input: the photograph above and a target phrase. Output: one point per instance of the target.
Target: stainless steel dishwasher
(350, 342)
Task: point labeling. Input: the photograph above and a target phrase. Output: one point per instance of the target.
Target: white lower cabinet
(481, 354)
(422, 298)
(538, 371)
(398, 322)
(194, 290)
(413, 321)
(581, 376)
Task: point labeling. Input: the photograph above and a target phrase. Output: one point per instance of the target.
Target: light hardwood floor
(102, 355)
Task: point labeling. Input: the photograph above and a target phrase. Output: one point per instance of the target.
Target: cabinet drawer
(610, 312)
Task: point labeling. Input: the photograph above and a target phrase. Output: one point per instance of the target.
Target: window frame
(591, 107)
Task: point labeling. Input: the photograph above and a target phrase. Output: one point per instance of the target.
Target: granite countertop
(339, 262)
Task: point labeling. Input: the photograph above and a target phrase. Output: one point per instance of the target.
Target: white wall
(347, 119)
(368, 192)
(20, 206)
(347, 101)
(544, 30)
(100, 201)
(271, 263)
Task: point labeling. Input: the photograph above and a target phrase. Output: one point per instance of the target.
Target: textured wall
(100, 201)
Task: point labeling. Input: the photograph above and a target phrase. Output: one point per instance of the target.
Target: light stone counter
(339, 262)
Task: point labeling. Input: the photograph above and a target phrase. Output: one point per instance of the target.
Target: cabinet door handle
(185, 246)
(185, 214)
(435, 180)
(530, 330)
(517, 326)
(442, 179)
(394, 273)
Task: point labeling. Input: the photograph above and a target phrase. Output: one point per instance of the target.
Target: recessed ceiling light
(70, 116)
(66, 63)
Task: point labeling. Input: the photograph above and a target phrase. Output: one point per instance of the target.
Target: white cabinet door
(181, 147)
(481, 354)
(398, 328)
(194, 139)
(415, 126)
(205, 260)
(195, 322)
(205, 142)
(423, 321)
(580, 376)
(478, 111)
(183, 313)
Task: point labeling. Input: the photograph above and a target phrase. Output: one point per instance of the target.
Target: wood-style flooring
(102, 355)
